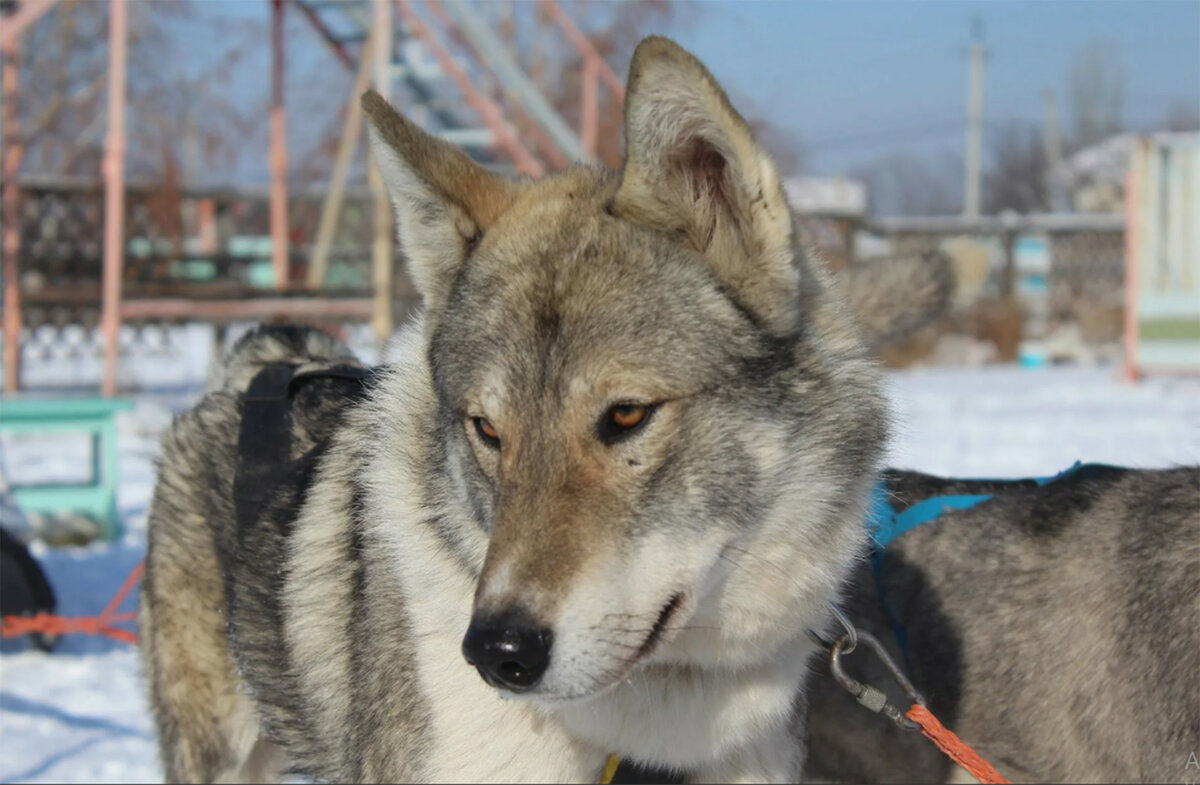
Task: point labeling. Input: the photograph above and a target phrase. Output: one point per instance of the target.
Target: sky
(858, 80)
(850, 82)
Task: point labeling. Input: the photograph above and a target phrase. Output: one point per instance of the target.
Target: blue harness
(884, 523)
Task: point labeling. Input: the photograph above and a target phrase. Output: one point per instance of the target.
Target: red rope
(954, 747)
(16, 626)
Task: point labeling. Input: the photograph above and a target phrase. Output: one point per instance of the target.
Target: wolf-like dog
(1055, 627)
(619, 465)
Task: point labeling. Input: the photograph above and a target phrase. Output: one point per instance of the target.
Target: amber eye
(621, 421)
(627, 416)
(487, 432)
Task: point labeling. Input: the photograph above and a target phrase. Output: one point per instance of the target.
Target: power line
(875, 136)
(906, 133)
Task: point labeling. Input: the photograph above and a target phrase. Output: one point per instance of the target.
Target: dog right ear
(444, 201)
(693, 170)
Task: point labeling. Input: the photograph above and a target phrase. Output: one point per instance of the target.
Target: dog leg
(193, 686)
(189, 674)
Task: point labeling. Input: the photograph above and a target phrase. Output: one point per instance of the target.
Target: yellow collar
(610, 769)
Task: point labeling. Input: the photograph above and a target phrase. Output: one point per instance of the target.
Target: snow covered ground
(79, 714)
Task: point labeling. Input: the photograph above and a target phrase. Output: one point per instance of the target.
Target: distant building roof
(1107, 161)
(826, 196)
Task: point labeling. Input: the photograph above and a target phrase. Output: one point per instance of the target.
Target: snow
(1000, 421)
(80, 714)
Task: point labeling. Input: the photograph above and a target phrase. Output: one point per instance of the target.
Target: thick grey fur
(1056, 629)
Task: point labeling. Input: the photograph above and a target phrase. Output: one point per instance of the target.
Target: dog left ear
(693, 168)
(444, 201)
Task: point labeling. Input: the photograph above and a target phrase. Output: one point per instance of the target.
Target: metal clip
(826, 641)
(870, 697)
(851, 630)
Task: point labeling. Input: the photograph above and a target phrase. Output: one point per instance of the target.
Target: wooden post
(589, 109)
(382, 261)
(114, 195)
(12, 220)
(331, 210)
(278, 153)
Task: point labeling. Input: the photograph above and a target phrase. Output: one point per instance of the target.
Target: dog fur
(679, 568)
(1055, 628)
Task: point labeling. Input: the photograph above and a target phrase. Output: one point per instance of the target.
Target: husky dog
(619, 466)
(1055, 627)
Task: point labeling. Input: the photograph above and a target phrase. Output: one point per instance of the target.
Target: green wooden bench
(95, 416)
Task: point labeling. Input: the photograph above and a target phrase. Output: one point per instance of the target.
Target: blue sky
(851, 82)
(858, 80)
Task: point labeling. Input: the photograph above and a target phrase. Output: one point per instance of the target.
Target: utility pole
(1053, 151)
(974, 151)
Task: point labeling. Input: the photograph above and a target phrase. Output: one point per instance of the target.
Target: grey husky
(1055, 627)
(618, 469)
(596, 500)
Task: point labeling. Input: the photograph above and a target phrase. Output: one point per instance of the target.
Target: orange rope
(954, 747)
(16, 626)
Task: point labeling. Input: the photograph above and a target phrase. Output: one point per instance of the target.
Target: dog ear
(693, 168)
(444, 201)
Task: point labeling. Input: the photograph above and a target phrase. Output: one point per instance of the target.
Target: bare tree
(64, 84)
(903, 184)
(1182, 116)
(1016, 179)
(1097, 93)
(63, 89)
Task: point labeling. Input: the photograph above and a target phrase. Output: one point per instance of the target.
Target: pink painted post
(584, 47)
(12, 220)
(545, 144)
(114, 195)
(23, 16)
(489, 111)
(589, 109)
(206, 225)
(335, 46)
(278, 154)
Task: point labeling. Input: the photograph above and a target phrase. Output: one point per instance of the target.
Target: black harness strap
(265, 436)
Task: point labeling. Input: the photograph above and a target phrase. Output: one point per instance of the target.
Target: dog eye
(622, 420)
(487, 432)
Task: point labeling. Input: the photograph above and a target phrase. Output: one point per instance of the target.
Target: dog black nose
(508, 650)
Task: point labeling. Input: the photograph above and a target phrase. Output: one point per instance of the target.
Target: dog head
(660, 419)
